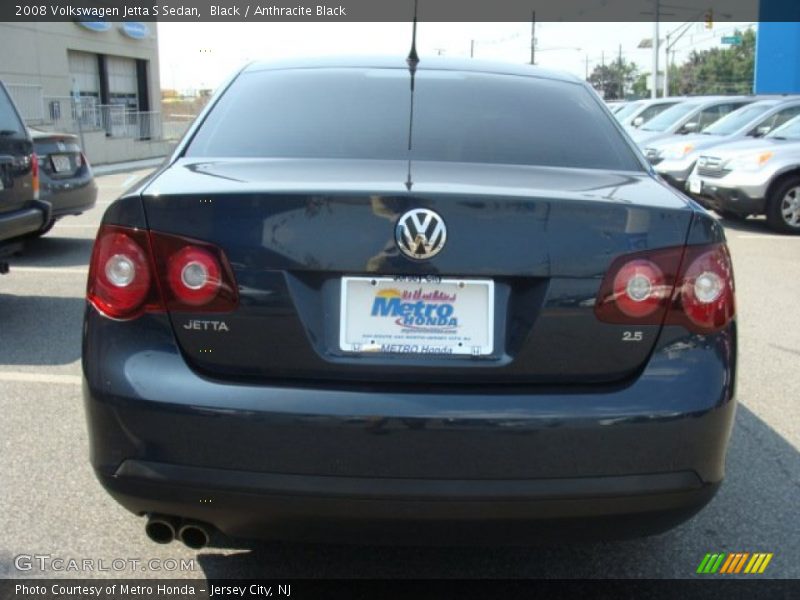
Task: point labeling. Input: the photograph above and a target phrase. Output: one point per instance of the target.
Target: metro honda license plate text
(417, 315)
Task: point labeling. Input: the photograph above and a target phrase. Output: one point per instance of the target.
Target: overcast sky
(197, 55)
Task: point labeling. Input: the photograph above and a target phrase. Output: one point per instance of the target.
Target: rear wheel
(783, 207)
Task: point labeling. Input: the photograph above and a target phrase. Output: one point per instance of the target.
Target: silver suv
(753, 177)
(674, 156)
(686, 117)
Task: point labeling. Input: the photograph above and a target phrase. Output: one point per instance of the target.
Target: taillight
(639, 288)
(35, 175)
(195, 275)
(704, 300)
(692, 287)
(133, 271)
(121, 274)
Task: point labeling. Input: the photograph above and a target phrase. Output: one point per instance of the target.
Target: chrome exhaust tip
(195, 535)
(161, 528)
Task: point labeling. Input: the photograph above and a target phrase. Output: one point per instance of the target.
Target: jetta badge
(420, 233)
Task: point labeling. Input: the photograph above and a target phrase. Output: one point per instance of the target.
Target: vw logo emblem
(420, 233)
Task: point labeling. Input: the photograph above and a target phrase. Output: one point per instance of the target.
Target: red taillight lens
(133, 271)
(691, 287)
(639, 288)
(35, 175)
(194, 276)
(706, 293)
(120, 273)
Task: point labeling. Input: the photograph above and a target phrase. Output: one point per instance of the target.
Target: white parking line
(764, 236)
(68, 270)
(25, 377)
(130, 180)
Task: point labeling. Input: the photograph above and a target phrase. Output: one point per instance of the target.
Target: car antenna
(412, 61)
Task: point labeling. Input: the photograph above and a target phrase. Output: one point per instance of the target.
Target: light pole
(654, 91)
(678, 33)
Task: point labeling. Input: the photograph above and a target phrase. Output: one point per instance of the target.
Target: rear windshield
(458, 117)
(670, 117)
(9, 121)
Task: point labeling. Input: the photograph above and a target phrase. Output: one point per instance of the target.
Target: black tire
(731, 216)
(783, 206)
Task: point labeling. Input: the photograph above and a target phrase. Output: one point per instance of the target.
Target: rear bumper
(70, 197)
(731, 199)
(21, 222)
(318, 461)
(314, 508)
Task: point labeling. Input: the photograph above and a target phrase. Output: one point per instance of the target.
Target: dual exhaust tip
(162, 529)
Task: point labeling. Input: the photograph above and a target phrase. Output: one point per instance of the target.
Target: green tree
(614, 79)
(641, 87)
(727, 70)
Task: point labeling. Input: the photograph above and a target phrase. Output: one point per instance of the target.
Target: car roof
(38, 134)
(704, 100)
(667, 100)
(425, 63)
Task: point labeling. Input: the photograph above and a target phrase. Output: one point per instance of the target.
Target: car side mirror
(763, 130)
(638, 122)
(690, 127)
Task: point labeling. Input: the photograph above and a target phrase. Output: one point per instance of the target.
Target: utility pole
(672, 38)
(472, 48)
(621, 75)
(603, 72)
(654, 90)
(666, 67)
(533, 37)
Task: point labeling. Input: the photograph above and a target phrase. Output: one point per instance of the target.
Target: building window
(123, 86)
(84, 73)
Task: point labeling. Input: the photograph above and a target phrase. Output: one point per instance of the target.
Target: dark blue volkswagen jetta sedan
(377, 300)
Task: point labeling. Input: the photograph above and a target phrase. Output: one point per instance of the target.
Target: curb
(110, 169)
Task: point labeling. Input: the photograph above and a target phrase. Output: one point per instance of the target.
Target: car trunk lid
(292, 229)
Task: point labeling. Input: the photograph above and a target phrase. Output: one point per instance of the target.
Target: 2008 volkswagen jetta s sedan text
(379, 300)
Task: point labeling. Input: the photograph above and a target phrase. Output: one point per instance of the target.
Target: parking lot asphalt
(52, 505)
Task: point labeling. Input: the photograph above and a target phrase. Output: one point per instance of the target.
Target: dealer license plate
(417, 315)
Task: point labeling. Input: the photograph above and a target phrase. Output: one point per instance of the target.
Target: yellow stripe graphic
(758, 563)
(749, 568)
(765, 563)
